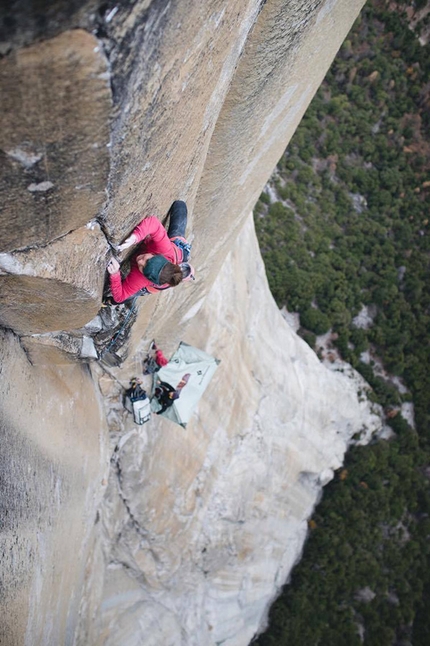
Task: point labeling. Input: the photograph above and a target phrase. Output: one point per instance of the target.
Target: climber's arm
(123, 289)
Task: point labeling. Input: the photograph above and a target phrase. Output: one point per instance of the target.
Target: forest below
(347, 234)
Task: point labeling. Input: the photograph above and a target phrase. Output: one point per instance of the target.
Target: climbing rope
(117, 334)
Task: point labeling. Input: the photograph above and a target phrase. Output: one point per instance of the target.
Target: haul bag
(136, 401)
(141, 410)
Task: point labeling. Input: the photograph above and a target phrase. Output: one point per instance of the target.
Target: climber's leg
(178, 219)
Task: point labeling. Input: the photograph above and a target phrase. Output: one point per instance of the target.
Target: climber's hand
(128, 242)
(113, 266)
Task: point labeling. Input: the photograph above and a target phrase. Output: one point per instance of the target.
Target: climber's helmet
(187, 271)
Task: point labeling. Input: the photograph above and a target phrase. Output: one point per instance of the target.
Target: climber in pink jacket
(159, 262)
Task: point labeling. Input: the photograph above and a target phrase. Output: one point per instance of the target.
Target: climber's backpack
(136, 401)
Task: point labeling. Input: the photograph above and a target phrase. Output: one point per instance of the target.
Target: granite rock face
(284, 60)
(54, 131)
(170, 86)
(123, 108)
(54, 165)
(60, 284)
(53, 461)
(195, 102)
(209, 520)
(281, 64)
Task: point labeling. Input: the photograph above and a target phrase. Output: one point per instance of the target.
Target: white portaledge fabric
(200, 367)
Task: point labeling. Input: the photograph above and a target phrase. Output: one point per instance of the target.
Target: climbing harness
(184, 246)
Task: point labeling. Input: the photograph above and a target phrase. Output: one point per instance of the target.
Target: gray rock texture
(54, 131)
(54, 166)
(209, 520)
(110, 111)
(53, 287)
(53, 461)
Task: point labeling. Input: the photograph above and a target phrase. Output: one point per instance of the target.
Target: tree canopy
(350, 230)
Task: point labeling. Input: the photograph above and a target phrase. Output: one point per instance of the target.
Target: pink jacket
(154, 239)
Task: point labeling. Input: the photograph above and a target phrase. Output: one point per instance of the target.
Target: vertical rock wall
(204, 524)
(54, 131)
(120, 111)
(217, 86)
(53, 460)
(284, 59)
(179, 68)
(54, 165)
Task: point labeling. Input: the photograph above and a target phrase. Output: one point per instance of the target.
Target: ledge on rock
(58, 349)
(49, 289)
(54, 131)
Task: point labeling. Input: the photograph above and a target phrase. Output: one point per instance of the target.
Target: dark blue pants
(178, 219)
